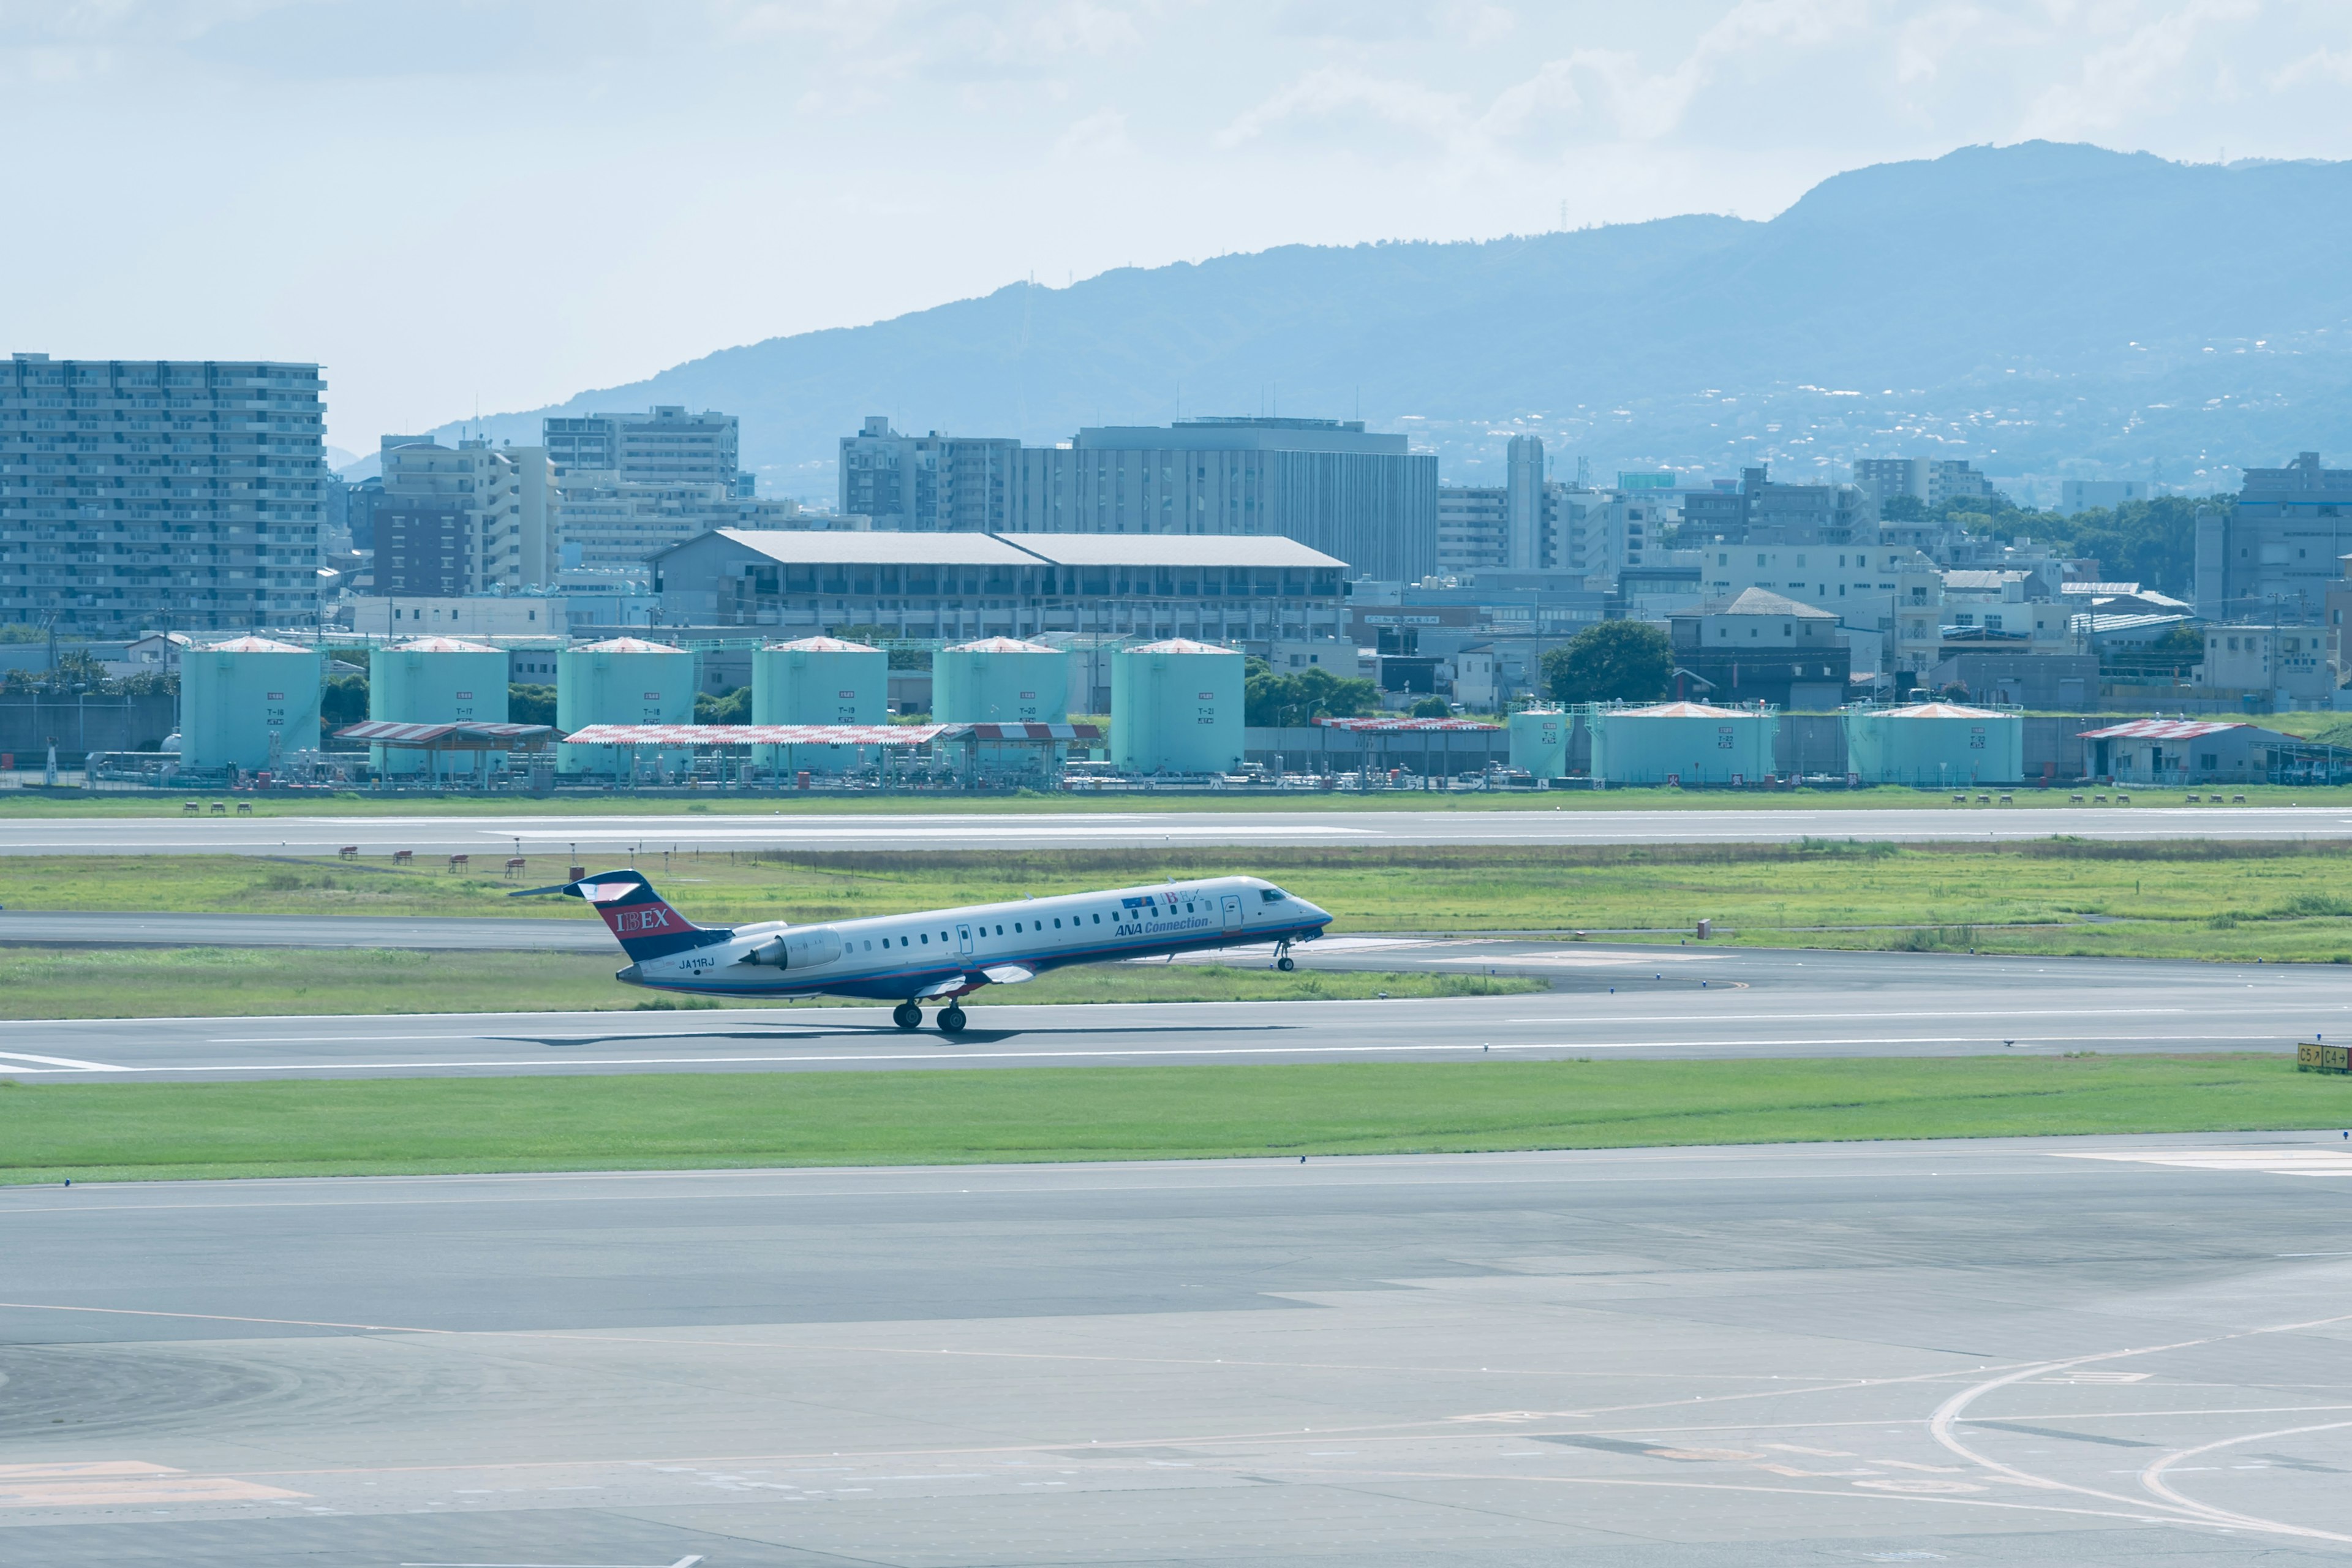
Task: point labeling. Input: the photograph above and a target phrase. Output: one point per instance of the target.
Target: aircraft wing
(1009, 973)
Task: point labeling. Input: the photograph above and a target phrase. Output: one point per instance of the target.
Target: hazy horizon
(499, 204)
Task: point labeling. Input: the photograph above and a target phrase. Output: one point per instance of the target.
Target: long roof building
(1220, 588)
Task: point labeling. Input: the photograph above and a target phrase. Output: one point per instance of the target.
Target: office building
(146, 494)
(472, 520)
(963, 586)
(1474, 528)
(2273, 555)
(926, 484)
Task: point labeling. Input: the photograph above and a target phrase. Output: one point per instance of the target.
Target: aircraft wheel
(906, 1015)
(1285, 963)
(951, 1019)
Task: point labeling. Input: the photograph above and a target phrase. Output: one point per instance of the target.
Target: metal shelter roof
(1388, 725)
(819, 734)
(2160, 730)
(463, 736)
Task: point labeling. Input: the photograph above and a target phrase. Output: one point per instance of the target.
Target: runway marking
(1953, 1411)
(2152, 1477)
(2320, 1161)
(946, 1056)
(68, 1062)
(688, 1562)
(122, 1483)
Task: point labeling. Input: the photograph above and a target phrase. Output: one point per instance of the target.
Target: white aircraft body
(937, 954)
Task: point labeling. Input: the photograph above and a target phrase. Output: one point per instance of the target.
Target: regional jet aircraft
(941, 955)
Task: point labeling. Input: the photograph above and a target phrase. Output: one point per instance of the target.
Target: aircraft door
(963, 940)
(1232, 902)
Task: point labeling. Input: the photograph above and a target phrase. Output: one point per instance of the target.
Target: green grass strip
(88, 1131)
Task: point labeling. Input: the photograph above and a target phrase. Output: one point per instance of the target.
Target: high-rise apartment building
(472, 520)
(1759, 511)
(927, 484)
(1328, 484)
(1930, 481)
(666, 446)
(630, 484)
(1474, 528)
(149, 494)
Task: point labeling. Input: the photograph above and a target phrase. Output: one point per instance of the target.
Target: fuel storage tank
(1682, 743)
(623, 681)
(818, 681)
(1934, 745)
(1176, 707)
(249, 702)
(1539, 741)
(434, 680)
(1000, 680)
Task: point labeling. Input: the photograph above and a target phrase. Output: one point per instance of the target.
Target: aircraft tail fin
(641, 920)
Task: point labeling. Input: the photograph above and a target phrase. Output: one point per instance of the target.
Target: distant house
(1760, 647)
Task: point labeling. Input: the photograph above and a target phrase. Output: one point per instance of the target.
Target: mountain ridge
(2040, 307)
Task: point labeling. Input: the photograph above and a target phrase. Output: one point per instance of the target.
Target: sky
(458, 204)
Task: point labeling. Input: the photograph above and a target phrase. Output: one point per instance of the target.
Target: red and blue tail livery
(645, 925)
(938, 954)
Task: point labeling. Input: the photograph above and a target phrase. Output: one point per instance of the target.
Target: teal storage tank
(249, 702)
(818, 681)
(1682, 743)
(625, 681)
(1540, 742)
(1176, 707)
(1934, 745)
(1000, 680)
(434, 680)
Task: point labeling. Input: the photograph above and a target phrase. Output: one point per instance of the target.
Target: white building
(1474, 528)
(632, 484)
(153, 493)
(1931, 481)
(2289, 665)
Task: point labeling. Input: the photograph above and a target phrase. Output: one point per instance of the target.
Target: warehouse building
(1211, 588)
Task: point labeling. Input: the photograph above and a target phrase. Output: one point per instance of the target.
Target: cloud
(1099, 138)
(1332, 92)
(2117, 82)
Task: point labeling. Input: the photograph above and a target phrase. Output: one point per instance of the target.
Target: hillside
(2041, 308)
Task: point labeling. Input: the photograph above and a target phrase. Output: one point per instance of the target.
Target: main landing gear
(1282, 959)
(910, 1016)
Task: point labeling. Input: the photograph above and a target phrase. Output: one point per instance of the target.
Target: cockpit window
(1272, 895)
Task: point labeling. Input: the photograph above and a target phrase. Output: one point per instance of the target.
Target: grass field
(213, 981)
(2194, 900)
(51, 1131)
(356, 803)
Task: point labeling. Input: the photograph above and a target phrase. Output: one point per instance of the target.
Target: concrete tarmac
(1619, 1001)
(555, 838)
(2091, 1353)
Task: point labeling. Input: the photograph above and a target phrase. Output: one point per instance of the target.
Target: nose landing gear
(906, 1015)
(1282, 959)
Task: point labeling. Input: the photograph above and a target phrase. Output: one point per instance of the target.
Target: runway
(588, 836)
(2071, 1352)
(1617, 1003)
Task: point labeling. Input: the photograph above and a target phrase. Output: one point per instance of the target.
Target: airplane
(944, 955)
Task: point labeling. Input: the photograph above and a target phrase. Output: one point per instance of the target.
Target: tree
(1431, 708)
(1271, 699)
(342, 700)
(530, 704)
(1616, 661)
(733, 708)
